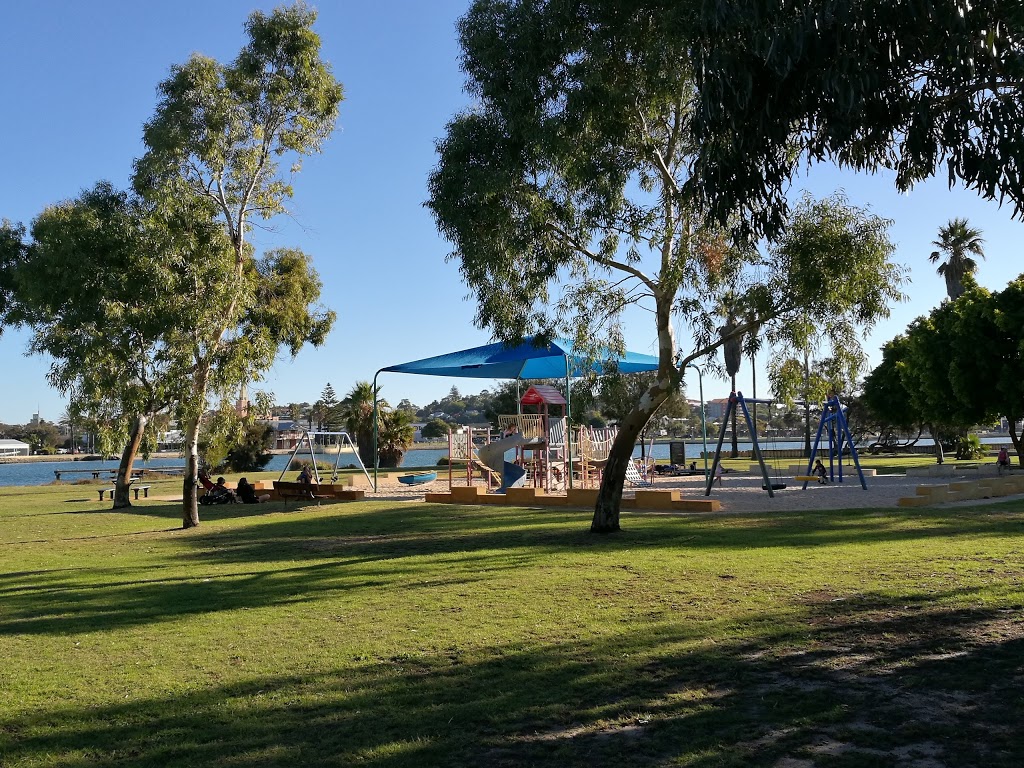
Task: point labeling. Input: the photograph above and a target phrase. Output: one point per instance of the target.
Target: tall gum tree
(563, 193)
(93, 284)
(214, 145)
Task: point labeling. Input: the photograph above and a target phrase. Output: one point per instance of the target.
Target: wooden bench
(310, 491)
(303, 491)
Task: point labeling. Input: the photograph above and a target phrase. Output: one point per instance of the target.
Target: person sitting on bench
(1003, 460)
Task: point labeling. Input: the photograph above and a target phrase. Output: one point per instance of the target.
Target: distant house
(14, 448)
(286, 434)
(715, 409)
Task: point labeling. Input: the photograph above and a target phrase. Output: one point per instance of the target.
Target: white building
(14, 448)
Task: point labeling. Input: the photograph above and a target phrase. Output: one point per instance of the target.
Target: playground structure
(530, 359)
(546, 457)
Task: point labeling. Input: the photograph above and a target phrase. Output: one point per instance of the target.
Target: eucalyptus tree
(93, 286)
(563, 192)
(919, 88)
(213, 150)
(958, 241)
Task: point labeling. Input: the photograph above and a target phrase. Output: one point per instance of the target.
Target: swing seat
(775, 487)
(806, 478)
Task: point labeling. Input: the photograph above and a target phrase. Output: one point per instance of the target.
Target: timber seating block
(348, 494)
(302, 491)
(932, 490)
(438, 498)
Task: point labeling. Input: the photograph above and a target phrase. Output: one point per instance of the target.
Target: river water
(40, 473)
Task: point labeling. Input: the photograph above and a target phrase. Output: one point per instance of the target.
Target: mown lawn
(420, 635)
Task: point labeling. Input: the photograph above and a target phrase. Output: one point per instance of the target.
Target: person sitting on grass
(222, 490)
(819, 470)
(218, 494)
(248, 495)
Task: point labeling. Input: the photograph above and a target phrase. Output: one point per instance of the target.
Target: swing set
(833, 424)
(342, 442)
(837, 431)
(736, 400)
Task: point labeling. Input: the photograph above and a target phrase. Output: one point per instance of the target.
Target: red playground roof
(540, 394)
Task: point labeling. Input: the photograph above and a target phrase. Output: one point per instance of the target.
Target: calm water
(40, 473)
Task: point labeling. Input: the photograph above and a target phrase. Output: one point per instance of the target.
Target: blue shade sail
(525, 361)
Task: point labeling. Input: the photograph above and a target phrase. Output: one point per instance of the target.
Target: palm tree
(957, 241)
(357, 409)
(728, 309)
(394, 437)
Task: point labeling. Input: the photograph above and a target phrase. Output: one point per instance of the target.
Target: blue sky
(80, 80)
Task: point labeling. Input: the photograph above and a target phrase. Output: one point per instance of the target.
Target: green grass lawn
(419, 635)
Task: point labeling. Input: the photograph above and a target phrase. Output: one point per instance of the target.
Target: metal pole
(376, 461)
(567, 469)
(703, 420)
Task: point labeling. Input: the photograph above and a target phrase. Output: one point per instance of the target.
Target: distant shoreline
(75, 457)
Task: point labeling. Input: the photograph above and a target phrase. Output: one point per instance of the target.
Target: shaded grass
(415, 634)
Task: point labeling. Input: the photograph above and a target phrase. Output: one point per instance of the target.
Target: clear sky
(80, 80)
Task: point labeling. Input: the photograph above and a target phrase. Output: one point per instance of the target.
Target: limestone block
(932, 491)
(581, 497)
(914, 501)
(522, 495)
(656, 499)
(466, 493)
(698, 505)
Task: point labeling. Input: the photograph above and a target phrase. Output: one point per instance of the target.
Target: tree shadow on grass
(878, 681)
(347, 548)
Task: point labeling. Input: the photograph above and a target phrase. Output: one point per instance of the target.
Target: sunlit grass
(413, 634)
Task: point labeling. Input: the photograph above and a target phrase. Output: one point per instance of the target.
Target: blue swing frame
(832, 416)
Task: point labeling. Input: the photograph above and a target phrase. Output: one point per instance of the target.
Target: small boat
(417, 478)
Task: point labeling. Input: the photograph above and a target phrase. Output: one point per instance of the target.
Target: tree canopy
(563, 193)
(961, 365)
(922, 88)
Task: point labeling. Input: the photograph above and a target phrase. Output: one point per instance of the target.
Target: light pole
(703, 421)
